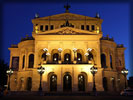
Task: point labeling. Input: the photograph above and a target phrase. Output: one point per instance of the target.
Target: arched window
(53, 83)
(81, 83)
(79, 58)
(111, 62)
(29, 83)
(90, 56)
(23, 62)
(67, 82)
(103, 60)
(44, 56)
(67, 58)
(105, 85)
(31, 61)
(55, 58)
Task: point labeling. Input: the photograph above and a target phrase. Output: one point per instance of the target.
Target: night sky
(16, 21)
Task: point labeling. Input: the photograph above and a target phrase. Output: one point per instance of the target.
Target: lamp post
(60, 50)
(93, 71)
(74, 50)
(40, 71)
(125, 72)
(47, 54)
(45, 49)
(9, 72)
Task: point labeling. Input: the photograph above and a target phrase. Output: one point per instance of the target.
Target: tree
(3, 76)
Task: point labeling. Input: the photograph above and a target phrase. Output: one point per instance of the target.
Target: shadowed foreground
(66, 98)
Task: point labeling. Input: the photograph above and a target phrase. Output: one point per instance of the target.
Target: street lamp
(87, 54)
(40, 71)
(89, 50)
(93, 70)
(60, 50)
(45, 49)
(9, 72)
(125, 72)
(74, 50)
(47, 54)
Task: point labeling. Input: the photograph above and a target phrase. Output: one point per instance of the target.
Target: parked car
(127, 92)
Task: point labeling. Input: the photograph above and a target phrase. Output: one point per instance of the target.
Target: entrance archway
(53, 83)
(29, 83)
(81, 83)
(67, 82)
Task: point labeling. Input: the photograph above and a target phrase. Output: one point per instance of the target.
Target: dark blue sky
(17, 18)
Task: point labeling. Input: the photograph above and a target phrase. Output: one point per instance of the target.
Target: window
(111, 62)
(79, 58)
(46, 27)
(87, 27)
(15, 63)
(92, 27)
(41, 28)
(23, 61)
(103, 60)
(44, 56)
(81, 83)
(52, 27)
(55, 58)
(67, 58)
(82, 27)
(31, 60)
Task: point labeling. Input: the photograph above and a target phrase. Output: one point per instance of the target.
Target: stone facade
(67, 31)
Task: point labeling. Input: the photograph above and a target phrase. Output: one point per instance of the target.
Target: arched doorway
(79, 58)
(67, 58)
(55, 57)
(81, 82)
(53, 82)
(67, 82)
(105, 85)
(29, 83)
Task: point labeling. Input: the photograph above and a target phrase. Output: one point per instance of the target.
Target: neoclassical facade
(67, 45)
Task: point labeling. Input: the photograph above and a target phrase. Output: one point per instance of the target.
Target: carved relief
(67, 31)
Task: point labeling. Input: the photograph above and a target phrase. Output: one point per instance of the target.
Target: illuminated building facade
(67, 45)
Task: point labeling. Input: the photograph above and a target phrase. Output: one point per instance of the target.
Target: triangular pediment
(68, 31)
(69, 16)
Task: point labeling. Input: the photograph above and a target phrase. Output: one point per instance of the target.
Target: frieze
(67, 31)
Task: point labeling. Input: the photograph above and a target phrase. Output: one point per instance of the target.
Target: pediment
(67, 31)
(69, 16)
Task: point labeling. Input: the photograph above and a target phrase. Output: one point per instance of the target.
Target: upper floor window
(103, 60)
(46, 27)
(52, 27)
(31, 61)
(82, 27)
(23, 61)
(87, 27)
(111, 65)
(41, 28)
(79, 58)
(44, 56)
(92, 27)
(55, 58)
